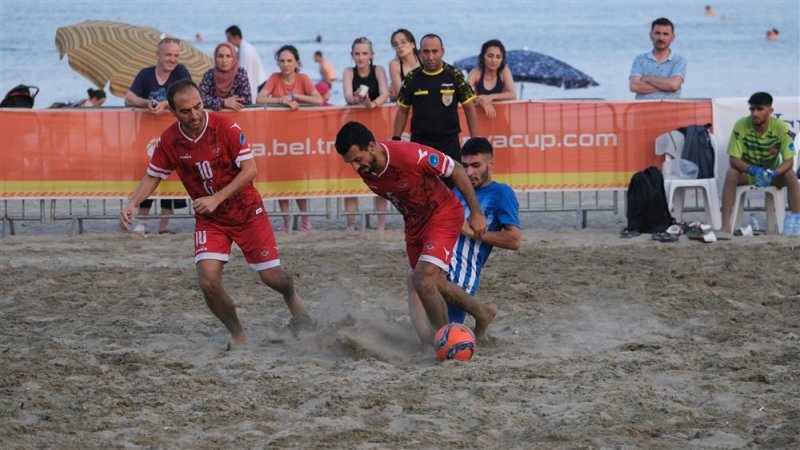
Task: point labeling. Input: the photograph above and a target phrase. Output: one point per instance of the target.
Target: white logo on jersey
(258, 211)
(446, 253)
(422, 153)
(236, 125)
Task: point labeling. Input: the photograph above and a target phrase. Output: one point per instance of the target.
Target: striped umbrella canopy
(104, 51)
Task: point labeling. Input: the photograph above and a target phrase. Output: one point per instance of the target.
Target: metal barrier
(78, 211)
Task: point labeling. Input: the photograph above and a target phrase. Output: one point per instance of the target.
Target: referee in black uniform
(434, 90)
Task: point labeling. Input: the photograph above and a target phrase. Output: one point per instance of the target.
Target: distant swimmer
(773, 34)
(198, 37)
(709, 11)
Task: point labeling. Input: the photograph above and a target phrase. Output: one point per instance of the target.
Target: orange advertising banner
(565, 145)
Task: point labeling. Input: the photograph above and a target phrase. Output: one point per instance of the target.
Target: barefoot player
(410, 176)
(216, 167)
(500, 206)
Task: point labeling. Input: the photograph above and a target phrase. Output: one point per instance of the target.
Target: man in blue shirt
(149, 88)
(659, 74)
(499, 204)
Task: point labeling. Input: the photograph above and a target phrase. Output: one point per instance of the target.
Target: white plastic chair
(774, 203)
(670, 145)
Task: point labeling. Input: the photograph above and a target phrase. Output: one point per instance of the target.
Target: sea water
(728, 54)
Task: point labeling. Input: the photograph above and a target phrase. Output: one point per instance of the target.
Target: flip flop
(627, 234)
(665, 237)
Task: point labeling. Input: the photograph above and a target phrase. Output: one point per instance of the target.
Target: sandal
(665, 237)
(627, 234)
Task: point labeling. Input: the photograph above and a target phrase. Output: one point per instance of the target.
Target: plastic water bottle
(754, 223)
(791, 225)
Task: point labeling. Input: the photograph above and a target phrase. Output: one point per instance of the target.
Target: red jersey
(411, 181)
(207, 164)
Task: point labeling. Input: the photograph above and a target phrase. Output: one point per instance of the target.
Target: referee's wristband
(396, 138)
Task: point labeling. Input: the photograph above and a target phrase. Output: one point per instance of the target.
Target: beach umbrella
(114, 52)
(534, 67)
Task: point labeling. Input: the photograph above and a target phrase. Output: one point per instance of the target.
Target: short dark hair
(317, 53)
(431, 36)
(477, 146)
(485, 48)
(353, 133)
(663, 21)
(233, 30)
(178, 87)
(760, 99)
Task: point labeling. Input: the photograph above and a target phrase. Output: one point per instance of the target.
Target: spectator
(149, 90)
(324, 90)
(660, 73)
(226, 84)
(289, 87)
(96, 98)
(492, 79)
(435, 121)
(248, 58)
(326, 71)
(773, 34)
(406, 59)
(364, 84)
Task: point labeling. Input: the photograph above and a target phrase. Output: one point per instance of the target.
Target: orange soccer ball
(454, 341)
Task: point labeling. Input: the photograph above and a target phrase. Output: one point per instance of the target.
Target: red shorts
(212, 240)
(435, 242)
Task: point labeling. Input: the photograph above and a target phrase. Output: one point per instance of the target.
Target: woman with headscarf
(226, 85)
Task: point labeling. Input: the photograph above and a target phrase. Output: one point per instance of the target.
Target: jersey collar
(435, 72)
(388, 160)
(199, 136)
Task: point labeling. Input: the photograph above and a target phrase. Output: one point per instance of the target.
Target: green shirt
(769, 150)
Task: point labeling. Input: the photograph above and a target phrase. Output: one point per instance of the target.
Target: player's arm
(145, 188)
(209, 204)
(510, 237)
(477, 221)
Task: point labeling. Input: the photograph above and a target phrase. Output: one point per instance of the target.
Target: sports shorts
(435, 242)
(212, 240)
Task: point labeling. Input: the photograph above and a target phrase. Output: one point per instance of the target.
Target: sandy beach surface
(600, 342)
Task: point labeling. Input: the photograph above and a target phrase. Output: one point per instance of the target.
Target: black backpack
(20, 97)
(647, 209)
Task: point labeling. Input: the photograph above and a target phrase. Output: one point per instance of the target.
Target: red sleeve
(238, 147)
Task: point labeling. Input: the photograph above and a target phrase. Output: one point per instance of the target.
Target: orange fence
(569, 145)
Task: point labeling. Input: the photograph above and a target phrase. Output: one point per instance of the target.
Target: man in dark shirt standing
(149, 90)
(434, 90)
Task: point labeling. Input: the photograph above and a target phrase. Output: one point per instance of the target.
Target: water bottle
(791, 224)
(754, 223)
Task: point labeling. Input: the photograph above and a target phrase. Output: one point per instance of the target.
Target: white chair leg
(736, 213)
(677, 205)
(713, 208)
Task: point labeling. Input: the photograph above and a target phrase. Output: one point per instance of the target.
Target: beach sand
(106, 342)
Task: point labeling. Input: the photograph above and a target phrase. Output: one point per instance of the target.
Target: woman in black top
(492, 79)
(364, 84)
(406, 59)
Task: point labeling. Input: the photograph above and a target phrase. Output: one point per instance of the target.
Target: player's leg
(426, 281)
(484, 313)
(789, 179)
(144, 211)
(419, 319)
(212, 248)
(733, 178)
(257, 242)
(209, 274)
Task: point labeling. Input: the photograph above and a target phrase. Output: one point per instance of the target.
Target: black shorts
(449, 145)
(165, 203)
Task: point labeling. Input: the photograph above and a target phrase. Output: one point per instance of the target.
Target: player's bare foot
(236, 342)
(488, 313)
(300, 324)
